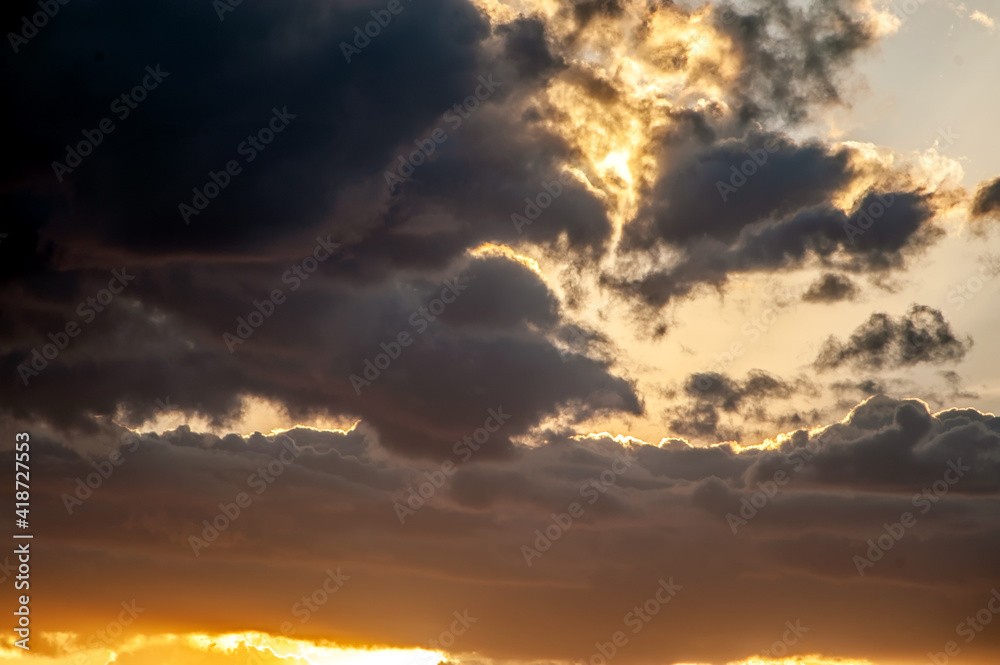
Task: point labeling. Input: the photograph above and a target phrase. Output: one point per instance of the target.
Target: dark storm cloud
(922, 335)
(665, 515)
(831, 287)
(793, 56)
(687, 203)
(321, 181)
(987, 199)
(489, 347)
(823, 230)
(222, 82)
(501, 343)
(450, 203)
(732, 196)
(892, 444)
(866, 242)
(220, 85)
(526, 50)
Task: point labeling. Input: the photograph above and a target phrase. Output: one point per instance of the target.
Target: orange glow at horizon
(256, 648)
(252, 648)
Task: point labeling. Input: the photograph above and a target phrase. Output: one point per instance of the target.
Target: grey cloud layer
(664, 516)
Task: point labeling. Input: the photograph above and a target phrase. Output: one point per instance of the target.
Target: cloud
(665, 516)
(831, 287)
(324, 333)
(987, 200)
(794, 56)
(922, 335)
(669, 145)
(821, 232)
(942, 394)
(323, 177)
(982, 19)
(792, 177)
(194, 122)
(713, 406)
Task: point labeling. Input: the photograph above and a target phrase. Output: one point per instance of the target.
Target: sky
(501, 332)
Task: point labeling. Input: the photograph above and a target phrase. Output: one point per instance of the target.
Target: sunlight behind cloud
(320, 654)
(798, 660)
(250, 648)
